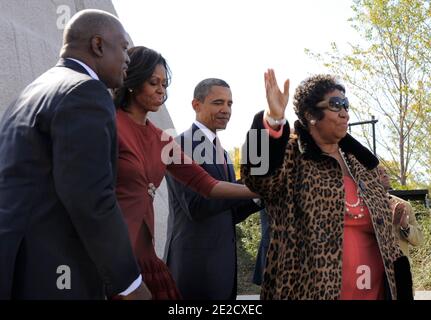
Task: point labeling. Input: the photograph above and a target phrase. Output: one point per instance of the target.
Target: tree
(235, 156)
(389, 75)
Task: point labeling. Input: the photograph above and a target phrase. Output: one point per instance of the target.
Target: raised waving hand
(277, 100)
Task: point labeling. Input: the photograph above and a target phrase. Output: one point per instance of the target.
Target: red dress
(139, 165)
(363, 270)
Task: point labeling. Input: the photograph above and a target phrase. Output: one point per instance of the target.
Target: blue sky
(236, 41)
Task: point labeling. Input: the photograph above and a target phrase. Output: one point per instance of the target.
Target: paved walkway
(423, 295)
(419, 295)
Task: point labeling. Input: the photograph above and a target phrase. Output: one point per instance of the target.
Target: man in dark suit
(62, 235)
(201, 243)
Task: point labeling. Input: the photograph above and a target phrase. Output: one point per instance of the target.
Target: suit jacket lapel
(209, 146)
(230, 169)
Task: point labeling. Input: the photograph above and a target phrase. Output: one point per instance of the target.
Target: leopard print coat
(304, 196)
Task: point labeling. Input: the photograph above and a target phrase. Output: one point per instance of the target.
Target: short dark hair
(203, 88)
(310, 92)
(143, 62)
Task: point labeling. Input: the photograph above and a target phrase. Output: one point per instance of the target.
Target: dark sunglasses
(334, 104)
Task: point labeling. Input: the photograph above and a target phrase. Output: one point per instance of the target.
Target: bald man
(62, 235)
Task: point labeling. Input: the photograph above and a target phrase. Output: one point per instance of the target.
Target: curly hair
(310, 92)
(143, 62)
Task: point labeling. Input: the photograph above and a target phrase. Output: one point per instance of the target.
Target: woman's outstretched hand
(277, 100)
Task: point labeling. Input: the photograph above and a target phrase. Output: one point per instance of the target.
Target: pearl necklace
(359, 202)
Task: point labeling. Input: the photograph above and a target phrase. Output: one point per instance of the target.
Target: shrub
(421, 256)
(248, 238)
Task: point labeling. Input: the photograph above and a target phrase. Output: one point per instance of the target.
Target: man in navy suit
(201, 244)
(62, 234)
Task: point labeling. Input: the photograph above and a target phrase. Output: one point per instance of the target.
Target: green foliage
(421, 256)
(421, 212)
(248, 238)
(250, 234)
(388, 74)
(235, 156)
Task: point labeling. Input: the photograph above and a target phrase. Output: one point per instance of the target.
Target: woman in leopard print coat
(305, 194)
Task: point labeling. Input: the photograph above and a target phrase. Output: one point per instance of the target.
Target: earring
(131, 90)
(313, 122)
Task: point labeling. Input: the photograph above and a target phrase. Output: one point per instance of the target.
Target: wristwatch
(275, 122)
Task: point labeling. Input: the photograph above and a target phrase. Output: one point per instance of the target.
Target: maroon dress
(140, 165)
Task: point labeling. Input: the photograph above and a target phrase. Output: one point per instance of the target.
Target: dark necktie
(220, 158)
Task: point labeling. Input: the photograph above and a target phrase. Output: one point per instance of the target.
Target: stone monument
(31, 37)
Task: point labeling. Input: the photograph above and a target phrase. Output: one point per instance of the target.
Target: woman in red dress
(141, 167)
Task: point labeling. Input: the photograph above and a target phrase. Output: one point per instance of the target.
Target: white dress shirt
(208, 133)
(87, 68)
